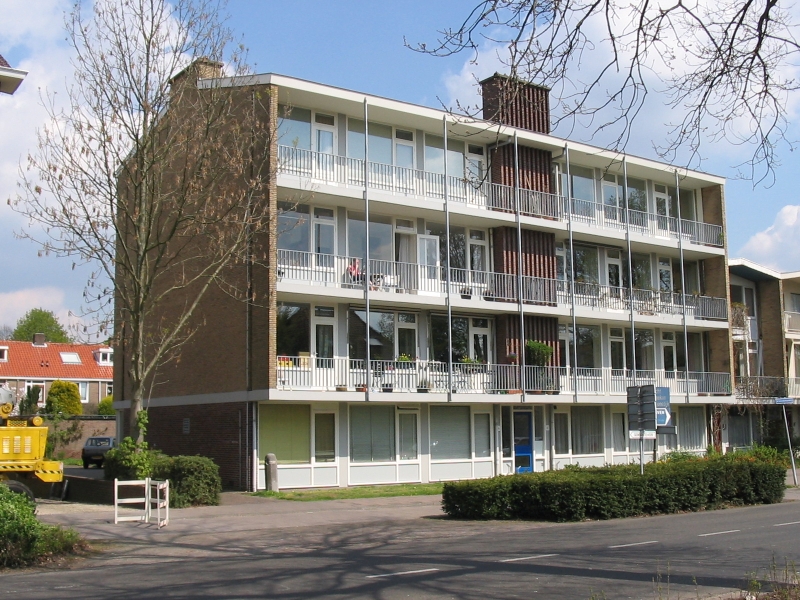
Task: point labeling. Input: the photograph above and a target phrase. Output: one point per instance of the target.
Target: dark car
(94, 451)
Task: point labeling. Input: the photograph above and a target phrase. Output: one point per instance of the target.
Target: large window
(586, 270)
(458, 244)
(380, 236)
(407, 438)
(372, 434)
(645, 349)
(587, 429)
(588, 351)
(637, 194)
(380, 141)
(324, 437)
(440, 332)
(619, 432)
(739, 429)
(483, 435)
(381, 335)
(285, 431)
(294, 127)
(582, 183)
(450, 437)
(691, 428)
(293, 335)
(561, 432)
(294, 227)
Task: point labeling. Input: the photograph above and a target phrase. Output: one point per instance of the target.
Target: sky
(354, 44)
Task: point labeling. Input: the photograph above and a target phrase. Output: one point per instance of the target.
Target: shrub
(29, 405)
(128, 461)
(63, 398)
(538, 354)
(105, 406)
(23, 539)
(613, 492)
(193, 480)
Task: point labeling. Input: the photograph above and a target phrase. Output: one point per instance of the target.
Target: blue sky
(355, 44)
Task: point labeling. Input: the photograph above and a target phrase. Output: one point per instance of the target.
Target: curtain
(450, 432)
(618, 430)
(483, 435)
(692, 428)
(372, 434)
(587, 429)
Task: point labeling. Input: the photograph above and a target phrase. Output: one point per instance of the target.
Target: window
(105, 356)
(505, 415)
(372, 434)
(738, 429)
(645, 350)
(109, 389)
(618, 432)
(795, 302)
(29, 385)
(83, 390)
(294, 229)
(3, 353)
(381, 335)
(561, 432)
(582, 183)
(70, 358)
(450, 437)
(324, 437)
(587, 429)
(407, 438)
(380, 236)
(691, 428)
(586, 270)
(483, 435)
(285, 431)
(293, 329)
(294, 127)
(456, 161)
(637, 196)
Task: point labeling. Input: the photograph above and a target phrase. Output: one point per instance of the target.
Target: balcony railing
(761, 388)
(341, 170)
(390, 276)
(329, 374)
(792, 321)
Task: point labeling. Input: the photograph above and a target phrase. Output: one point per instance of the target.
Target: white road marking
(791, 523)
(526, 558)
(634, 544)
(401, 573)
(719, 532)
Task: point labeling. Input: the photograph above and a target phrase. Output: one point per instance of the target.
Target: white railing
(330, 168)
(348, 374)
(792, 321)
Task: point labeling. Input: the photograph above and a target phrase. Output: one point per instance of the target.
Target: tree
(29, 405)
(158, 183)
(63, 398)
(725, 68)
(39, 320)
(6, 331)
(105, 407)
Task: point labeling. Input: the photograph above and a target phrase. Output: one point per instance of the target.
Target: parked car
(94, 451)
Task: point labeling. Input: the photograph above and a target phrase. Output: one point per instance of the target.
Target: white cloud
(778, 246)
(14, 305)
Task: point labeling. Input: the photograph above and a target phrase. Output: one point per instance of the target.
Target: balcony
(340, 170)
(761, 388)
(330, 374)
(391, 276)
(792, 322)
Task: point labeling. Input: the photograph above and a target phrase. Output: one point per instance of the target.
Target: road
(401, 548)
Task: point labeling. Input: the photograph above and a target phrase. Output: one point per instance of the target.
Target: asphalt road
(362, 554)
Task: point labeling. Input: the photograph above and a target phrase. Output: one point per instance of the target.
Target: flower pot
(341, 388)
(466, 296)
(361, 388)
(387, 389)
(422, 390)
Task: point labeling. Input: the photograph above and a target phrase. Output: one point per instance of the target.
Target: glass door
(523, 443)
(404, 160)
(614, 275)
(667, 221)
(324, 335)
(612, 199)
(324, 144)
(478, 253)
(665, 281)
(428, 257)
(324, 241)
(668, 352)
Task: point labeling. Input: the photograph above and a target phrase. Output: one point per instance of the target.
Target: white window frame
(83, 390)
(3, 353)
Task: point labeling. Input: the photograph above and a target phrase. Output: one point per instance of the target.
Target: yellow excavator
(22, 446)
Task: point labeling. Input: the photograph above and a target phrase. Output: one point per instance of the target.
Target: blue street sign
(663, 410)
(784, 400)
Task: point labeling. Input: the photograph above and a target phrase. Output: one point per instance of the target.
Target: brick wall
(541, 329)
(514, 102)
(221, 432)
(534, 167)
(770, 315)
(538, 252)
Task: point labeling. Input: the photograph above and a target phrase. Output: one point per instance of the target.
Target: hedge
(614, 492)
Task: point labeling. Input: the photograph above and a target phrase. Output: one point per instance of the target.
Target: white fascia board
(744, 262)
(300, 92)
(10, 79)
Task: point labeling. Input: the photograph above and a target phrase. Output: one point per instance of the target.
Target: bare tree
(155, 181)
(725, 69)
(6, 331)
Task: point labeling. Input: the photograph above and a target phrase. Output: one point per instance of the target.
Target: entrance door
(428, 257)
(523, 442)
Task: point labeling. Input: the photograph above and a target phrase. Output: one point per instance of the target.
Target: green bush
(615, 492)
(193, 480)
(23, 539)
(63, 398)
(105, 406)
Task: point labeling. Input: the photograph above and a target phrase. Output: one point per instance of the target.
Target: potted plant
(537, 355)
(341, 388)
(466, 292)
(488, 296)
(387, 388)
(361, 387)
(423, 386)
(512, 358)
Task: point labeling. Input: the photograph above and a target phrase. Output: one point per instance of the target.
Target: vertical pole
(571, 283)
(447, 267)
(367, 274)
(521, 356)
(630, 269)
(789, 440)
(683, 287)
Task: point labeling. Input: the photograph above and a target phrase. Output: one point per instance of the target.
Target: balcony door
(428, 257)
(665, 209)
(669, 354)
(324, 334)
(523, 441)
(324, 144)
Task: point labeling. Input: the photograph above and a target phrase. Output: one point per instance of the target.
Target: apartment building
(454, 298)
(765, 326)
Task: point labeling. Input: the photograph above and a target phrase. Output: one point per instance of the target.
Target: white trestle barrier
(155, 495)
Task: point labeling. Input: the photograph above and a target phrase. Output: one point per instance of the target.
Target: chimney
(511, 101)
(202, 68)
(39, 339)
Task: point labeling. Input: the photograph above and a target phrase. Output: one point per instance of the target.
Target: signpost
(642, 417)
(664, 424)
(784, 402)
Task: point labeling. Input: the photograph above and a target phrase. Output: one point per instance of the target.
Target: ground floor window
(324, 437)
(587, 429)
(618, 432)
(739, 429)
(561, 432)
(483, 435)
(450, 436)
(285, 431)
(692, 428)
(372, 434)
(407, 438)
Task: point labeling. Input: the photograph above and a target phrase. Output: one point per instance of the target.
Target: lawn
(372, 491)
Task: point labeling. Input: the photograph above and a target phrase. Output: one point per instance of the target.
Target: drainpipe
(366, 259)
(683, 286)
(572, 282)
(630, 264)
(519, 271)
(447, 267)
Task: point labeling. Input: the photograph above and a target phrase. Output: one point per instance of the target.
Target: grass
(372, 491)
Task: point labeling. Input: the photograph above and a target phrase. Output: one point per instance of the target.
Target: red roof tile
(3, 62)
(26, 361)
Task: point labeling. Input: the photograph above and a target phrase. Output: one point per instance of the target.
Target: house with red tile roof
(40, 363)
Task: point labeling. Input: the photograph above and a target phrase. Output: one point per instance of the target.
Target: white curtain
(692, 428)
(587, 429)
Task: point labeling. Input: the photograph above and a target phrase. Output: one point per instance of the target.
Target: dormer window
(105, 357)
(70, 358)
(3, 353)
